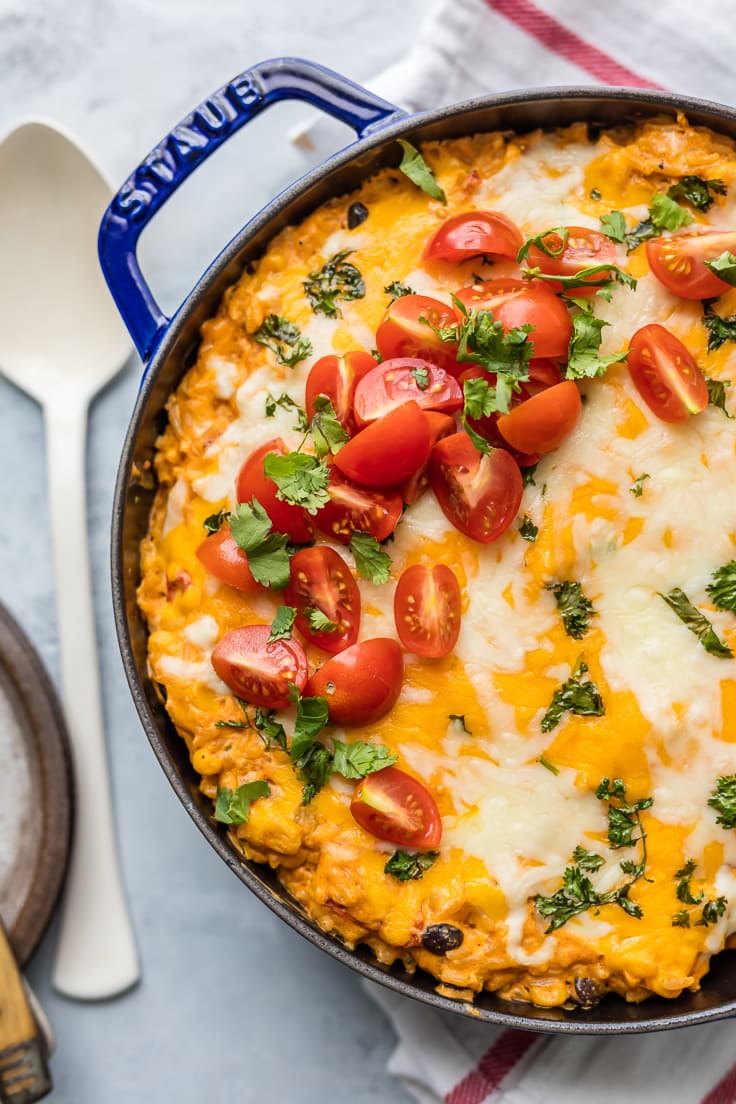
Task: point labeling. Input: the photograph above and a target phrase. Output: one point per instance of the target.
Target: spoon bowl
(61, 341)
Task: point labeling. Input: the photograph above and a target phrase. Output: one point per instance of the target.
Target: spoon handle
(96, 955)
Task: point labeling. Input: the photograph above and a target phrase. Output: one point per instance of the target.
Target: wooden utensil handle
(24, 1075)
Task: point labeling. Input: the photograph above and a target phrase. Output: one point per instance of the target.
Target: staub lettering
(189, 142)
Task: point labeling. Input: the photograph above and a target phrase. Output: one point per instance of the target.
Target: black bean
(357, 213)
(587, 991)
(440, 938)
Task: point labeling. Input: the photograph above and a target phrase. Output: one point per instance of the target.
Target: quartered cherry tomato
(427, 609)
(406, 330)
(389, 450)
(321, 581)
(402, 378)
(542, 373)
(257, 671)
(336, 377)
(354, 508)
(474, 234)
(517, 303)
(362, 683)
(542, 422)
(479, 494)
(221, 556)
(583, 249)
(440, 425)
(253, 483)
(678, 262)
(398, 808)
(666, 374)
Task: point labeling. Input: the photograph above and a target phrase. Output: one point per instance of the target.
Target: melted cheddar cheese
(669, 728)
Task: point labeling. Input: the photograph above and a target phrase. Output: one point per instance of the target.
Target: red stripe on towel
(492, 1068)
(725, 1091)
(557, 37)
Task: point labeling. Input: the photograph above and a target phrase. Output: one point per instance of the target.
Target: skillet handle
(188, 145)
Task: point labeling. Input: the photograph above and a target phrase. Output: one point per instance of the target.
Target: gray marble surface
(232, 1004)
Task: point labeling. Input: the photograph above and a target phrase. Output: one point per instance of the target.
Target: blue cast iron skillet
(168, 347)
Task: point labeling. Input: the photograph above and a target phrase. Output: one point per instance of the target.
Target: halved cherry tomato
(395, 807)
(221, 556)
(322, 581)
(440, 425)
(403, 331)
(427, 608)
(354, 508)
(257, 671)
(666, 374)
(252, 483)
(678, 262)
(542, 373)
(479, 494)
(474, 234)
(336, 377)
(388, 451)
(517, 303)
(362, 683)
(395, 381)
(542, 422)
(583, 249)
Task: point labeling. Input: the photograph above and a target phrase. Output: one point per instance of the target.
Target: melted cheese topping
(510, 825)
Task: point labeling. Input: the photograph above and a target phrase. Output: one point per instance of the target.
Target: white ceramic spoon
(61, 340)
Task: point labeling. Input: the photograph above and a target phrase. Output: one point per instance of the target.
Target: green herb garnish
(696, 622)
(270, 730)
(720, 330)
(284, 339)
(575, 609)
(268, 560)
(584, 360)
(301, 479)
(287, 403)
(548, 765)
(722, 591)
(318, 621)
(551, 248)
(358, 759)
(421, 377)
(282, 623)
(327, 432)
(724, 267)
(528, 529)
(637, 487)
(371, 562)
(215, 522)
(233, 807)
(602, 276)
(396, 290)
(683, 890)
(337, 279)
(717, 393)
(418, 171)
(698, 192)
(406, 867)
(578, 695)
(723, 800)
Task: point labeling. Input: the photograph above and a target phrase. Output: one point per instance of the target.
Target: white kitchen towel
(467, 48)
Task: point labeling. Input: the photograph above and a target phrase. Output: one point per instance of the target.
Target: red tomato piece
(479, 494)
(678, 262)
(253, 483)
(321, 581)
(427, 609)
(406, 331)
(440, 425)
(354, 508)
(389, 450)
(394, 806)
(542, 422)
(583, 249)
(518, 303)
(474, 234)
(542, 373)
(487, 426)
(257, 671)
(396, 381)
(666, 374)
(221, 556)
(362, 683)
(336, 377)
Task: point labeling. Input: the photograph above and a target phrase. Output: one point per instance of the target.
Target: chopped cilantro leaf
(584, 358)
(587, 860)
(613, 225)
(681, 919)
(696, 622)
(371, 562)
(720, 330)
(421, 377)
(723, 800)
(575, 609)
(480, 400)
(215, 522)
(711, 911)
(550, 242)
(698, 192)
(595, 194)
(551, 767)
(268, 560)
(282, 623)
(327, 432)
(287, 403)
(284, 339)
(230, 724)
(319, 621)
(270, 730)
(337, 279)
(600, 276)
(527, 475)
(406, 867)
(505, 353)
(396, 290)
(577, 696)
(717, 393)
(683, 890)
(300, 479)
(311, 760)
(667, 214)
(418, 171)
(724, 267)
(358, 759)
(528, 529)
(637, 487)
(722, 591)
(233, 807)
